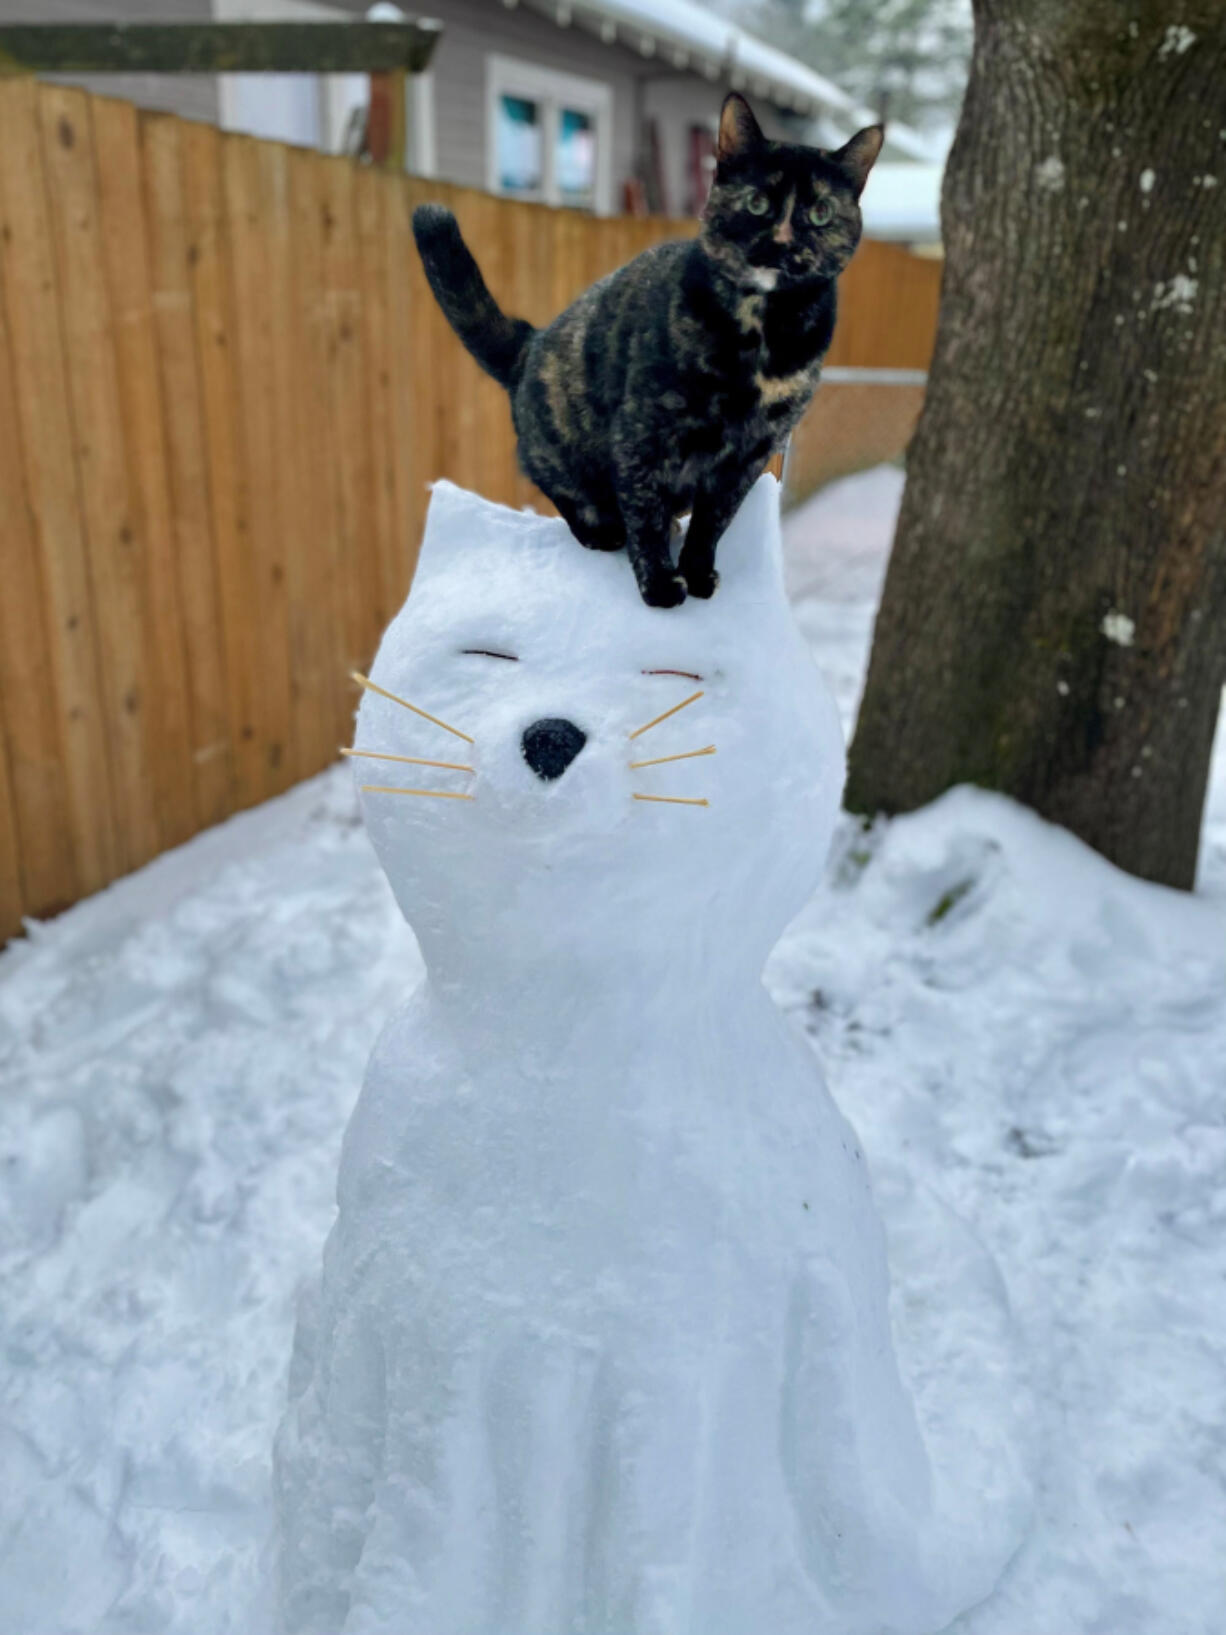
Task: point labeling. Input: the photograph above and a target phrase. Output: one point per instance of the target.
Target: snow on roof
(903, 202)
(695, 39)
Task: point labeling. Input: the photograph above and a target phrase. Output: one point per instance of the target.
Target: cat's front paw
(663, 590)
(701, 582)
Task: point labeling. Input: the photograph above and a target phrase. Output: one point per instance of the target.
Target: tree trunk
(1053, 623)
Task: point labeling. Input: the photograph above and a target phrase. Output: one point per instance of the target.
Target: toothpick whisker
(692, 699)
(690, 755)
(409, 760)
(374, 687)
(434, 794)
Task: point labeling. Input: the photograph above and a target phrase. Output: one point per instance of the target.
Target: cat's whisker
(374, 687)
(672, 800)
(409, 760)
(434, 794)
(689, 755)
(685, 702)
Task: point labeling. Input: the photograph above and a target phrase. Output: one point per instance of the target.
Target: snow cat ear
(739, 131)
(460, 524)
(751, 550)
(474, 548)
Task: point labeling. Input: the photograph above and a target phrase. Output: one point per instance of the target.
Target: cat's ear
(739, 131)
(751, 551)
(857, 157)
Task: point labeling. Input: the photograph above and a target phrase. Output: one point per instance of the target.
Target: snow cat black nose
(551, 745)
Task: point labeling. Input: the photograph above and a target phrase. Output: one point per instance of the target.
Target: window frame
(552, 90)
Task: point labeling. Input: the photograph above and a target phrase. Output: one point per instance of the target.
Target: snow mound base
(602, 1342)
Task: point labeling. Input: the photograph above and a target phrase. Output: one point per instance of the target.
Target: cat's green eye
(822, 213)
(758, 204)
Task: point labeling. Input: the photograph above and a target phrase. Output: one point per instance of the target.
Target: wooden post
(217, 48)
(386, 130)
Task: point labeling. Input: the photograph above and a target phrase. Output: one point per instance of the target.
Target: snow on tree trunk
(1052, 623)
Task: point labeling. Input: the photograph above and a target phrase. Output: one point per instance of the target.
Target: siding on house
(192, 95)
(474, 29)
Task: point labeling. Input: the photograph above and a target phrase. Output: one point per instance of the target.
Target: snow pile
(1002, 1008)
(177, 1057)
(1031, 1036)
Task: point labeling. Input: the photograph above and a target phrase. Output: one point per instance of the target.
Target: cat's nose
(551, 745)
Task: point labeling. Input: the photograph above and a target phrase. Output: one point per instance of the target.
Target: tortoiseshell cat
(668, 385)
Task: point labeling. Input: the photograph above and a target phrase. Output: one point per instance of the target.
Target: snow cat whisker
(689, 755)
(409, 760)
(434, 794)
(693, 698)
(374, 687)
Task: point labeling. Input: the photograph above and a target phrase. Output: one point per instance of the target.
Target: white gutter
(689, 38)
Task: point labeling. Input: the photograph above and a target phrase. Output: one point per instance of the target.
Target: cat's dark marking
(668, 385)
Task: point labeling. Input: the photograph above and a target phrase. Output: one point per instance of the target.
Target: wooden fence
(224, 388)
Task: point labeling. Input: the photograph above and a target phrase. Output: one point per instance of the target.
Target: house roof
(696, 40)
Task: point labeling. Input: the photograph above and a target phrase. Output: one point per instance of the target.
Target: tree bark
(1053, 623)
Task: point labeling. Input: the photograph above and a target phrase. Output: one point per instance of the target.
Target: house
(600, 104)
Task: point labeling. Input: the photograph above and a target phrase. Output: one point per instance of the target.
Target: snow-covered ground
(1040, 1039)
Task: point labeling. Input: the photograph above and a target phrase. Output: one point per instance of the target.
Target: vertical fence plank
(559, 226)
(423, 359)
(531, 256)
(286, 473)
(313, 743)
(459, 404)
(358, 563)
(191, 531)
(116, 551)
(492, 449)
(372, 202)
(505, 470)
(318, 593)
(11, 900)
(409, 492)
(252, 219)
(40, 393)
(208, 258)
(167, 713)
(462, 405)
(38, 838)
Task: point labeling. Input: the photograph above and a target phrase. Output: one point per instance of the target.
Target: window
(549, 135)
(521, 153)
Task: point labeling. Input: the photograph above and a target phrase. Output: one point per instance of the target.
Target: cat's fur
(668, 385)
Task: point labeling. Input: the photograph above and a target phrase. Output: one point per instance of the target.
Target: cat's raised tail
(496, 341)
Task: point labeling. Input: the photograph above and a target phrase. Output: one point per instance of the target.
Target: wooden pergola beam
(217, 48)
